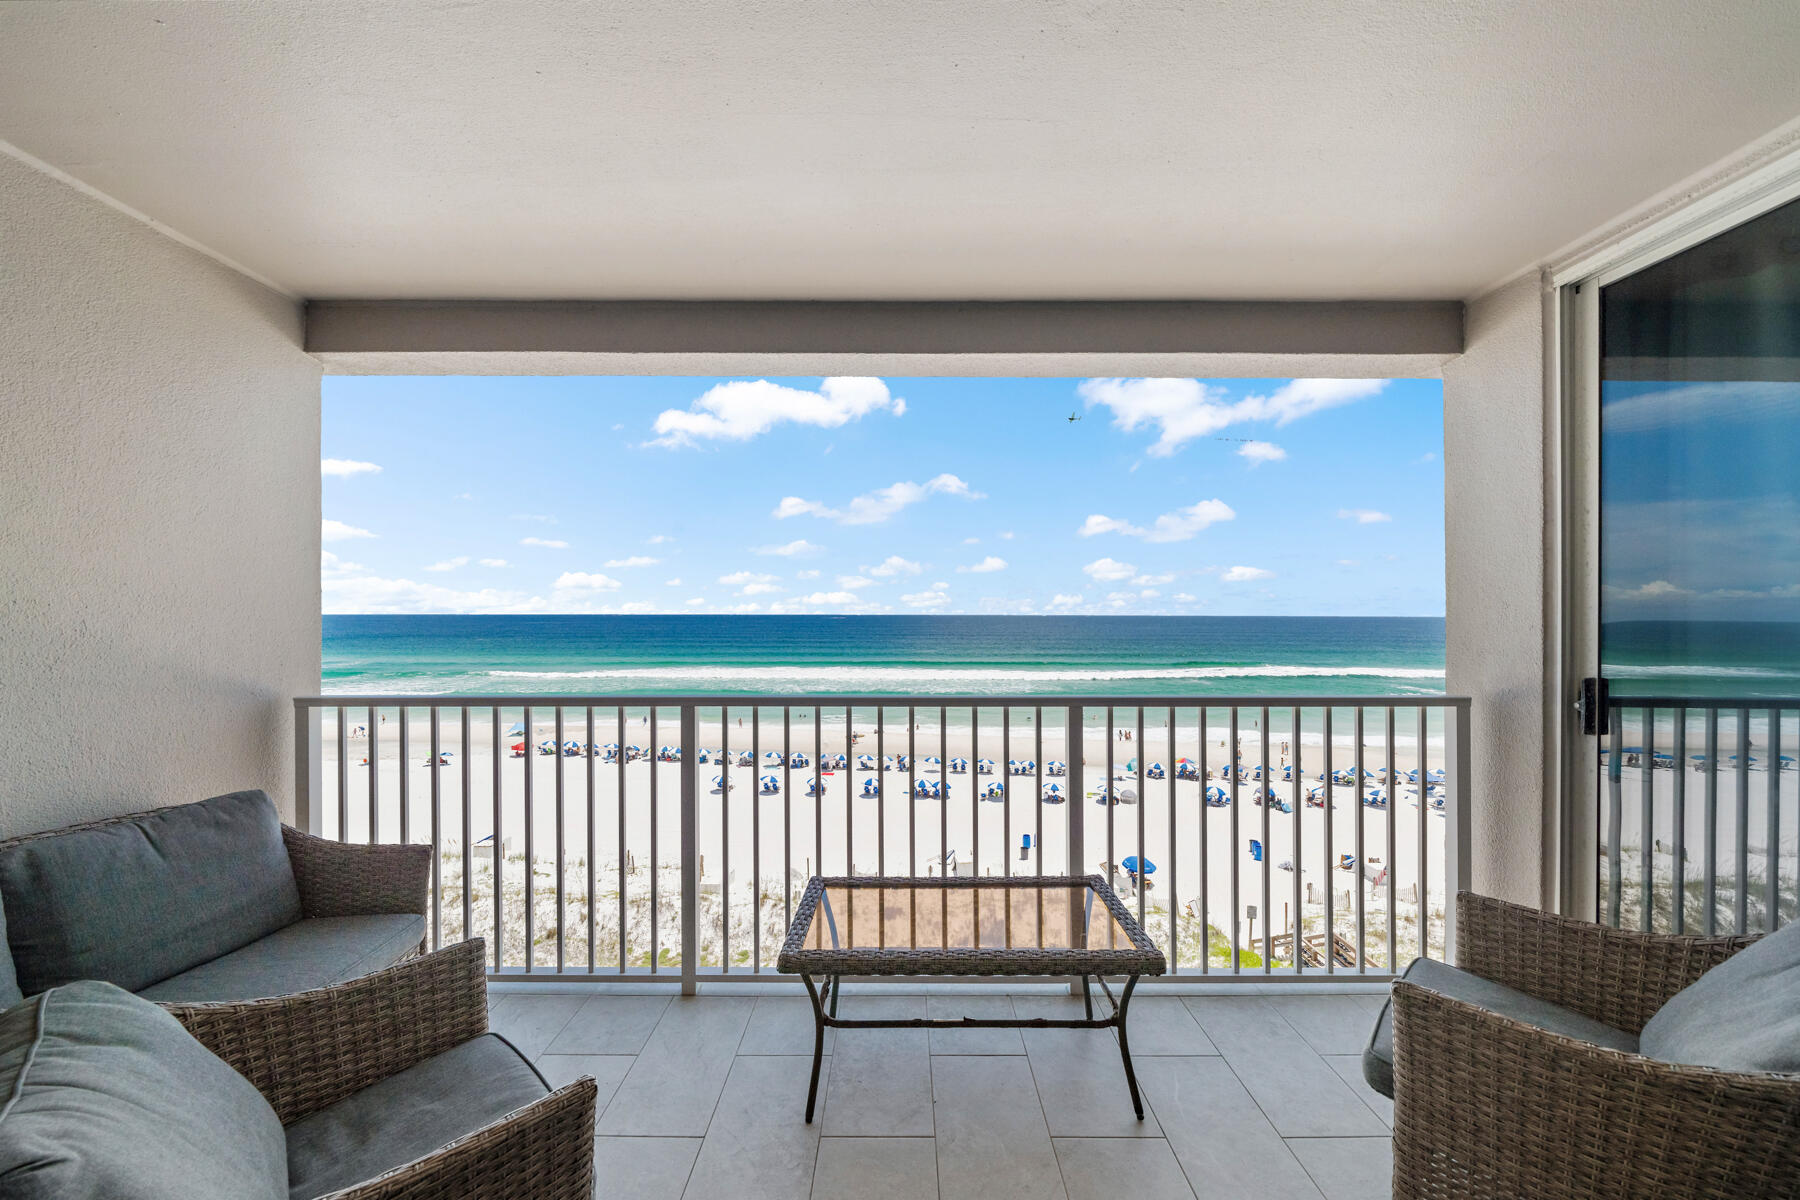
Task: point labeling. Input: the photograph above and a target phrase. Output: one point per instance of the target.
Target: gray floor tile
(1330, 1024)
(1349, 1069)
(608, 1071)
(880, 1078)
(1163, 1025)
(782, 1025)
(1109, 1168)
(1296, 1089)
(1348, 1168)
(758, 1146)
(991, 1143)
(1222, 1139)
(1080, 1076)
(642, 1168)
(973, 1041)
(532, 1022)
(876, 1169)
(671, 1089)
(610, 1025)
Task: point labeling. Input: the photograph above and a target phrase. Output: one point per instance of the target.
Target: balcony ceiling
(899, 149)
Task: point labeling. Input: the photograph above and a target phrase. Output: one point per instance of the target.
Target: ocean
(886, 655)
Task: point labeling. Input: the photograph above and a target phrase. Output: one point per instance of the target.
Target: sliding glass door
(1695, 701)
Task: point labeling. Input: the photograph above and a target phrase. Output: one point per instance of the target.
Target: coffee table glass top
(966, 926)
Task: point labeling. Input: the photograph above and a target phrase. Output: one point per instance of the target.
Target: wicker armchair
(1489, 1108)
(309, 1051)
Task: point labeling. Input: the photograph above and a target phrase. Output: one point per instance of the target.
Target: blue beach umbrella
(984, 766)
(1217, 797)
(1053, 794)
(515, 730)
(547, 746)
(719, 782)
(813, 787)
(871, 788)
(959, 765)
(1131, 865)
(770, 785)
(1057, 767)
(797, 759)
(1155, 771)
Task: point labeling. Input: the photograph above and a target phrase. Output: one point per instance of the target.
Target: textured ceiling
(896, 149)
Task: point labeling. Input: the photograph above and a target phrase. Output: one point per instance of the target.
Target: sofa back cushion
(1743, 1015)
(104, 1096)
(9, 978)
(138, 900)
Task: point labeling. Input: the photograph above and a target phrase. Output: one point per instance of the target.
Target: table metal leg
(1137, 1101)
(837, 985)
(1087, 997)
(812, 1089)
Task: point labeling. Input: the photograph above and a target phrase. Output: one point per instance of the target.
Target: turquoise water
(937, 655)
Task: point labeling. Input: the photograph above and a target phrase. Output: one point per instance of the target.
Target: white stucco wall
(159, 516)
(1494, 550)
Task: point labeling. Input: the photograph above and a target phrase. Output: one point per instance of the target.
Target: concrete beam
(1031, 337)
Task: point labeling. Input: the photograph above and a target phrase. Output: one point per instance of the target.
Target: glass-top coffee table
(1069, 925)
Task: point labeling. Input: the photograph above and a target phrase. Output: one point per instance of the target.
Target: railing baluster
(725, 841)
(755, 838)
(688, 917)
(499, 873)
(1330, 848)
(1174, 849)
(1647, 816)
(1268, 802)
(912, 786)
(1004, 766)
(374, 777)
(343, 775)
(943, 792)
(1393, 815)
(437, 833)
(787, 815)
(1037, 847)
(624, 854)
(1362, 775)
(1143, 802)
(561, 908)
(975, 793)
(1298, 928)
(593, 842)
(1424, 889)
(1709, 903)
(468, 825)
(1743, 822)
(530, 852)
(690, 843)
(1772, 798)
(401, 715)
(1678, 833)
(1237, 849)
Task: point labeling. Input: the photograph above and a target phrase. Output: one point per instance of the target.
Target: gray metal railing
(559, 840)
(1691, 786)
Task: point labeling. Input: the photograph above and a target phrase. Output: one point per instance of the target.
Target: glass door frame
(1572, 381)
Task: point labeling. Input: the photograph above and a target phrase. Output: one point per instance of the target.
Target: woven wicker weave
(309, 1051)
(1141, 957)
(1488, 1108)
(343, 879)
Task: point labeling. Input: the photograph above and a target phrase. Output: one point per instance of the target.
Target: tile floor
(1251, 1097)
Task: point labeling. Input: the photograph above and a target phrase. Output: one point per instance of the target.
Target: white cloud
(337, 531)
(450, 564)
(1184, 597)
(1154, 580)
(691, 601)
(1149, 593)
(853, 582)
(971, 541)
(758, 589)
(1109, 570)
(739, 578)
(1656, 589)
(1362, 516)
(1184, 409)
(1177, 526)
(813, 573)
(939, 586)
(1064, 600)
(493, 562)
(893, 565)
(344, 468)
(1346, 562)
(829, 598)
(744, 408)
(986, 566)
(1007, 536)
(928, 599)
(1261, 452)
(791, 549)
(671, 583)
(1245, 574)
(586, 581)
(658, 539)
(877, 506)
(546, 543)
(636, 560)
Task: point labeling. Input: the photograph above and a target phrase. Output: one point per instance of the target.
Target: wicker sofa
(211, 901)
(1488, 1105)
(389, 1087)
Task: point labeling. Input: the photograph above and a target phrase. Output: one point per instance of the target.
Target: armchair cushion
(136, 900)
(301, 957)
(9, 978)
(104, 1096)
(1742, 1015)
(408, 1115)
(1378, 1056)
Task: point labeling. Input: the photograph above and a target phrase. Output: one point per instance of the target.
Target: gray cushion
(9, 978)
(313, 953)
(1378, 1056)
(107, 1097)
(137, 901)
(408, 1115)
(1743, 1015)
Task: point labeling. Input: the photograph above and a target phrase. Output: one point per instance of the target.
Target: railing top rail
(896, 700)
(1752, 702)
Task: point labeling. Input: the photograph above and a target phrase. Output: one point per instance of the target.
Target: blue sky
(908, 495)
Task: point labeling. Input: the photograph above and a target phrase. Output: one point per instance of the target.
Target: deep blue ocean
(925, 655)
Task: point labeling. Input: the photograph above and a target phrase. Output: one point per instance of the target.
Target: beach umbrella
(516, 729)
(902, 763)
(770, 785)
(571, 749)
(1155, 771)
(922, 787)
(934, 761)
(1375, 799)
(518, 747)
(1131, 865)
(995, 791)
(797, 759)
(546, 747)
(871, 788)
(864, 762)
(719, 782)
(1217, 797)
(1057, 767)
(812, 787)
(1315, 795)
(1053, 795)
(772, 756)
(1131, 764)
(984, 766)
(959, 765)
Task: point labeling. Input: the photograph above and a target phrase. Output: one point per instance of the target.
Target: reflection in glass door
(1699, 565)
